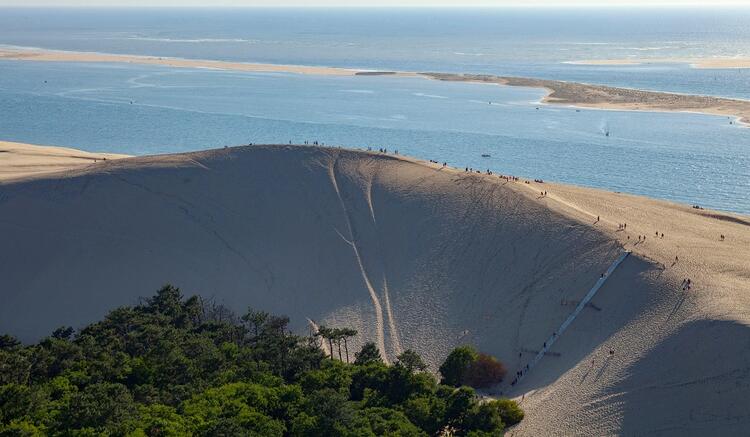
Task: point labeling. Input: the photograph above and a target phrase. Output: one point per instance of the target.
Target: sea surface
(689, 158)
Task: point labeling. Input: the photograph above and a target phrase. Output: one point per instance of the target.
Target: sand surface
(66, 56)
(18, 160)
(607, 97)
(706, 63)
(412, 255)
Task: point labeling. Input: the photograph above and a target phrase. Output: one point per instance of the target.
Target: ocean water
(526, 42)
(688, 158)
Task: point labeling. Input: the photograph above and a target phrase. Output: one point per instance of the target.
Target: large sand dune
(413, 256)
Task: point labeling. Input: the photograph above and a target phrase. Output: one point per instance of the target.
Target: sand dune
(413, 256)
(18, 160)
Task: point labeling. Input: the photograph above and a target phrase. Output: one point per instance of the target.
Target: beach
(606, 97)
(66, 56)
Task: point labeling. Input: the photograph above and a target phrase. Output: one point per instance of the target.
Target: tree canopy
(173, 366)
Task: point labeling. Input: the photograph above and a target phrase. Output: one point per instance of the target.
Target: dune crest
(412, 255)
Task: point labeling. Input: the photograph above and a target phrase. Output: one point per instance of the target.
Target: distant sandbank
(560, 92)
(703, 63)
(65, 56)
(606, 97)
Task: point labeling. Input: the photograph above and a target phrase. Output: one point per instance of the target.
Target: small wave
(358, 91)
(432, 96)
(645, 49)
(469, 54)
(194, 40)
(589, 43)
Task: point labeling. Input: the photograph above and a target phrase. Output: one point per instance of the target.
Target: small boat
(485, 155)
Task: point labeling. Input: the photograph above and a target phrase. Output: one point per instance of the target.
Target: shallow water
(524, 41)
(688, 158)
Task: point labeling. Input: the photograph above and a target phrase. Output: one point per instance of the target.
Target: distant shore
(607, 97)
(64, 56)
(560, 92)
(700, 63)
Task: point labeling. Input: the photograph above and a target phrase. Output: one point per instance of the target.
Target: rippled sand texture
(412, 255)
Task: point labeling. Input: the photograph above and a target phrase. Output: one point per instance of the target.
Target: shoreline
(589, 96)
(43, 55)
(576, 94)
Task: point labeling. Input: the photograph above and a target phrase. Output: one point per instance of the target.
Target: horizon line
(400, 6)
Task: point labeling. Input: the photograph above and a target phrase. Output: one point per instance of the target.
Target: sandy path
(571, 318)
(352, 241)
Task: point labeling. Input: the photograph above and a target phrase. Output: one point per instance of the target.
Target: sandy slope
(413, 256)
(19, 160)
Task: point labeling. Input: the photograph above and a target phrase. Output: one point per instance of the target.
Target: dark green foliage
(411, 361)
(173, 367)
(368, 354)
(509, 411)
(454, 367)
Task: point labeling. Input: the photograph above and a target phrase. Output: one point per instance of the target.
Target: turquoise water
(688, 158)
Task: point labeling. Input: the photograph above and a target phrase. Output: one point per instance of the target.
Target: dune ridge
(413, 255)
(19, 160)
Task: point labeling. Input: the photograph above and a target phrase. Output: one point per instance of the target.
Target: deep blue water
(143, 110)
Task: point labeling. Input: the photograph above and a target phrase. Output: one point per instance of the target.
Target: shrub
(483, 372)
(455, 365)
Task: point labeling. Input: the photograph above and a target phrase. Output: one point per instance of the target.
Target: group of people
(622, 226)
(519, 375)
